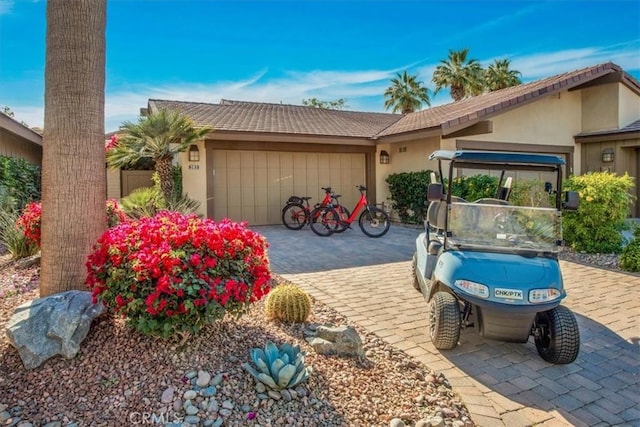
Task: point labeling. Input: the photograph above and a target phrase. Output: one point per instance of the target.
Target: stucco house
(19, 141)
(259, 154)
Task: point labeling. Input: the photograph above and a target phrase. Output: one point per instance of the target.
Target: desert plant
(278, 368)
(288, 303)
(12, 237)
(148, 201)
(171, 274)
(596, 227)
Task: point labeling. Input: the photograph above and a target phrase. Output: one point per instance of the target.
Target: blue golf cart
(493, 265)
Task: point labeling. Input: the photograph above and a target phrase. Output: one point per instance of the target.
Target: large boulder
(57, 324)
(340, 340)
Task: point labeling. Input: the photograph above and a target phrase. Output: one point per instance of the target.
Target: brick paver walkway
(500, 383)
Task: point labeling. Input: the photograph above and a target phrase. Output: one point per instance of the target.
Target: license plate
(508, 293)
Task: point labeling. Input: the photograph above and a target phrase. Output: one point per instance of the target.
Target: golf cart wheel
(444, 321)
(557, 336)
(414, 270)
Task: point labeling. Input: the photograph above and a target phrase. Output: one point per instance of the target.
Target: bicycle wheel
(324, 220)
(374, 222)
(344, 215)
(294, 216)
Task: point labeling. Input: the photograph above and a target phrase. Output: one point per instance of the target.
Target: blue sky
(282, 51)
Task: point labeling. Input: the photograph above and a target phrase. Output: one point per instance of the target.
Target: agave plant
(278, 368)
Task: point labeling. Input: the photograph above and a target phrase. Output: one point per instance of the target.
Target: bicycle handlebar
(361, 188)
(327, 189)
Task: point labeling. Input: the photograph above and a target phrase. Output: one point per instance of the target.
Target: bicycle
(296, 212)
(334, 218)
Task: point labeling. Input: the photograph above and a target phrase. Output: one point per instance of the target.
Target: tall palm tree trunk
(73, 164)
(165, 173)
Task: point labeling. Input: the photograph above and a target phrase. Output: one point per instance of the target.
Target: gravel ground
(121, 378)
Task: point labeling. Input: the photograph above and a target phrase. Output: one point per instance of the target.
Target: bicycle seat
(306, 198)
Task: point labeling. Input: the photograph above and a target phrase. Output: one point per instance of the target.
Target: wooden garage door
(253, 186)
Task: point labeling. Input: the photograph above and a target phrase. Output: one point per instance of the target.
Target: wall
(113, 184)
(600, 108)
(194, 177)
(629, 106)
(14, 146)
(411, 156)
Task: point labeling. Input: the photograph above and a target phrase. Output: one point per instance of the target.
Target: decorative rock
(212, 406)
(53, 424)
(209, 391)
(186, 404)
(27, 262)
(57, 324)
(25, 424)
(225, 412)
(167, 395)
(191, 374)
(286, 395)
(301, 391)
(177, 405)
(293, 393)
(261, 388)
(218, 422)
(245, 408)
(208, 423)
(217, 380)
(274, 395)
(192, 419)
(422, 423)
(262, 396)
(396, 422)
(189, 394)
(191, 410)
(340, 340)
(203, 379)
(435, 421)
(4, 416)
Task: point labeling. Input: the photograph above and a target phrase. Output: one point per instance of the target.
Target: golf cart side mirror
(571, 201)
(434, 192)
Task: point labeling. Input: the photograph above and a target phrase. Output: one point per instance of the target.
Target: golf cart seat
(437, 213)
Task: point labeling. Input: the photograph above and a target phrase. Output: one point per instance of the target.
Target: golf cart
(493, 265)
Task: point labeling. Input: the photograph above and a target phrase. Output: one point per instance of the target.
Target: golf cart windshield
(503, 228)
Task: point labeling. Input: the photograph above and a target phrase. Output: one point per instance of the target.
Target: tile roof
(243, 116)
(630, 128)
(488, 104)
(280, 118)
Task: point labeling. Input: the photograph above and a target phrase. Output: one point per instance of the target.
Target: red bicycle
(296, 212)
(334, 218)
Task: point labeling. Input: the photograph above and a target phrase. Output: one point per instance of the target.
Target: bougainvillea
(113, 141)
(173, 273)
(29, 221)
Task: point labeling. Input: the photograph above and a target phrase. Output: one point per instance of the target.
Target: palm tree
(73, 173)
(406, 94)
(464, 77)
(160, 135)
(498, 75)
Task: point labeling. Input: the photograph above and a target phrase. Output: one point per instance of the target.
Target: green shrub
(630, 257)
(596, 227)
(19, 183)
(472, 188)
(12, 237)
(409, 195)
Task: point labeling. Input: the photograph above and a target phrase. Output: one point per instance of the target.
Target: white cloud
(6, 6)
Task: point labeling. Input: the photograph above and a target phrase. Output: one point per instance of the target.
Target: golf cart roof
(498, 158)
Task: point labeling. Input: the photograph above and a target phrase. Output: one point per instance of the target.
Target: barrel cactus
(278, 368)
(288, 303)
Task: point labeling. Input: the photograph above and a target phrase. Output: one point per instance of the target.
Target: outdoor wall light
(384, 158)
(608, 155)
(194, 153)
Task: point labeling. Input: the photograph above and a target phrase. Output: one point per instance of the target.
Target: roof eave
(20, 130)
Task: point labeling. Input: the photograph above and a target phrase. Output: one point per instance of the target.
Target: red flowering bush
(113, 141)
(29, 221)
(173, 273)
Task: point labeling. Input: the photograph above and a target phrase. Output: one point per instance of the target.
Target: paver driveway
(369, 281)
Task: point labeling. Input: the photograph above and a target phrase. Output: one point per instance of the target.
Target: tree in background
(464, 77)
(73, 173)
(406, 94)
(339, 104)
(160, 136)
(498, 75)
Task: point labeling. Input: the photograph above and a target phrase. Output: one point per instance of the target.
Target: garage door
(253, 186)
